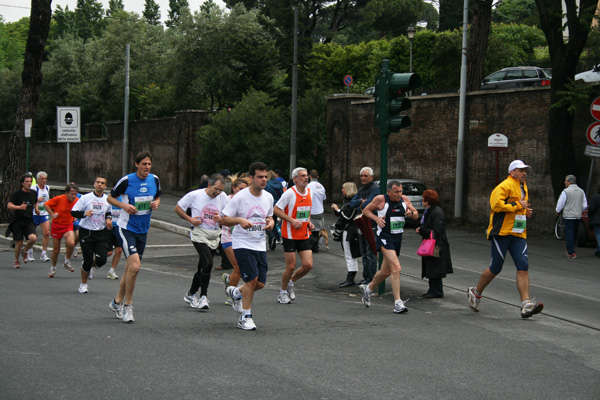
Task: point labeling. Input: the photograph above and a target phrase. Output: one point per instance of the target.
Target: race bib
(41, 207)
(397, 225)
(303, 213)
(258, 227)
(142, 203)
(520, 224)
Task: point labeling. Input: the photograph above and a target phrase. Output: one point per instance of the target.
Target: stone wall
(427, 150)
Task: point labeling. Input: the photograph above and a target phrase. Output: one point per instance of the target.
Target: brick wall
(427, 150)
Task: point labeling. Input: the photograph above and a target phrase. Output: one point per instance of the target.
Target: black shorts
(292, 245)
(22, 229)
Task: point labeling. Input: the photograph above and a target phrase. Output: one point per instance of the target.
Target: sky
(14, 10)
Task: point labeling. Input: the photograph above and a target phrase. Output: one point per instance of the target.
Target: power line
(10, 5)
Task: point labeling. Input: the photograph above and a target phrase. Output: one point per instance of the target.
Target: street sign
(28, 128)
(348, 80)
(595, 109)
(592, 151)
(593, 133)
(68, 125)
(497, 142)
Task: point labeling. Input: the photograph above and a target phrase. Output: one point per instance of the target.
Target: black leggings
(205, 263)
(93, 247)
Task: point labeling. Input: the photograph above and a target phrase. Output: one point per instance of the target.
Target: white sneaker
(30, 255)
(530, 308)
(283, 297)
(399, 307)
(75, 253)
(203, 303)
(117, 308)
(112, 275)
(366, 295)
(91, 275)
(83, 288)
(68, 266)
(225, 279)
(291, 291)
(44, 257)
(236, 303)
(52, 272)
(246, 323)
(128, 313)
(192, 300)
(473, 299)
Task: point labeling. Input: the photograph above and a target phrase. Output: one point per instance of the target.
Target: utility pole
(294, 95)
(126, 117)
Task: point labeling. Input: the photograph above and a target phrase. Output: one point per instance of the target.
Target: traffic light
(398, 88)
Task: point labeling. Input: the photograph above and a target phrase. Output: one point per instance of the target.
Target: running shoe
(283, 297)
(366, 296)
(531, 308)
(112, 275)
(24, 255)
(236, 304)
(117, 308)
(75, 252)
(17, 265)
(473, 299)
(399, 307)
(91, 275)
(83, 288)
(128, 313)
(291, 291)
(44, 257)
(68, 266)
(192, 300)
(52, 272)
(225, 279)
(272, 243)
(203, 303)
(246, 323)
(30, 255)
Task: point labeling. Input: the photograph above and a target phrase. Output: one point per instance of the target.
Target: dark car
(413, 189)
(517, 77)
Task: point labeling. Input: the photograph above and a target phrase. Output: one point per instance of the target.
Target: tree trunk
(478, 41)
(14, 167)
(563, 59)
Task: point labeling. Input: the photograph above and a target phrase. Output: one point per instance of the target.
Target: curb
(180, 230)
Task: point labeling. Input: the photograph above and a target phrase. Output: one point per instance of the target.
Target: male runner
(113, 242)
(206, 205)
(250, 212)
(508, 232)
(294, 210)
(23, 202)
(60, 208)
(95, 217)
(43, 219)
(392, 210)
(140, 193)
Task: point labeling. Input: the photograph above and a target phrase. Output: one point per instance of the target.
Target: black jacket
(434, 267)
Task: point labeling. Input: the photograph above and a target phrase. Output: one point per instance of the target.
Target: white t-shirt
(318, 197)
(204, 207)
(254, 209)
(99, 206)
(45, 193)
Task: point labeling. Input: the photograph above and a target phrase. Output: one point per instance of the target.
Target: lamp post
(410, 32)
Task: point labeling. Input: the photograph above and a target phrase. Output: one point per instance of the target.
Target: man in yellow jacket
(508, 232)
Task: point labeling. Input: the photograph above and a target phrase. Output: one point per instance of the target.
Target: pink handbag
(428, 248)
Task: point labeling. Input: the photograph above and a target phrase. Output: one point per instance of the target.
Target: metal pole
(294, 95)
(384, 135)
(126, 116)
(589, 184)
(410, 62)
(68, 163)
(460, 148)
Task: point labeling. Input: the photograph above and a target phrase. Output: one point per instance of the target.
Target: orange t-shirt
(297, 206)
(62, 206)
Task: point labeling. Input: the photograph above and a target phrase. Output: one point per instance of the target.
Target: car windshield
(496, 76)
(413, 188)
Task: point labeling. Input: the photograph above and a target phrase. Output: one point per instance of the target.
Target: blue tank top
(394, 217)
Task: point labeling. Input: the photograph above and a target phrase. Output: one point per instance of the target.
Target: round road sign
(595, 109)
(348, 80)
(593, 133)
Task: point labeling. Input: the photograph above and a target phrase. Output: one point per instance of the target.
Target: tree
(478, 43)
(564, 57)
(114, 6)
(516, 12)
(152, 12)
(89, 19)
(39, 27)
(451, 14)
(13, 38)
(176, 8)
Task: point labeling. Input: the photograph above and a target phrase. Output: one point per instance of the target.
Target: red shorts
(57, 231)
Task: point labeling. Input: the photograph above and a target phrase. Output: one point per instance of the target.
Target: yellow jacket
(507, 216)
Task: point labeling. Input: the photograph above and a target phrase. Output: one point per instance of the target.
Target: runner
(59, 208)
(392, 210)
(233, 279)
(294, 210)
(206, 206)
(43, 220)
(24, 203)
(250, 212)
(113, 243)
(95, 217)
(140, 193)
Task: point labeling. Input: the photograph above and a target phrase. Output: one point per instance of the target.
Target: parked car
(592, 76)
(370, 90)
(413, 189)
(517, 77)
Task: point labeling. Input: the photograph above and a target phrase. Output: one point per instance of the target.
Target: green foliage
(513, 45)
(10, 88)
(577, 94)
(516, 12)
(13, 38)
(89, 19)
(177, 9)
(114, 6)
(451, 14)
(151, 12)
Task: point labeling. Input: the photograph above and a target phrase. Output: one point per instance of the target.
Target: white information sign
(68, 125)
(27, 128)
(592, 151)
(497, 140)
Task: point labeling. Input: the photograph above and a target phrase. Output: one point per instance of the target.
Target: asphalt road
(58, 344)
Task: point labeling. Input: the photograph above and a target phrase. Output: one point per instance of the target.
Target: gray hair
(41, 173)
(391, 184)
(214, 178)
(571, 178)
(296, 171)
(368, 169)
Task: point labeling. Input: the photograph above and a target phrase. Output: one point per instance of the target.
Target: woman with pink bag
(434, 268)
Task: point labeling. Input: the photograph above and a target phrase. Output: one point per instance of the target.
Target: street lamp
(410, 32)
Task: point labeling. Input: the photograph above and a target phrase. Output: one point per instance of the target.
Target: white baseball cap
(517, 164)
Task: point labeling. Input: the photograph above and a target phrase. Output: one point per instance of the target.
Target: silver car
(413, 189)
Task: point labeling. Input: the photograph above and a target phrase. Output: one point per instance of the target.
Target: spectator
(571, 202)
(317, 216)
(350, 235)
